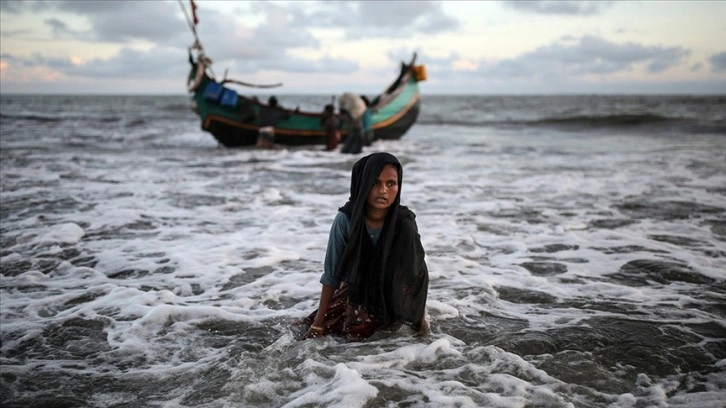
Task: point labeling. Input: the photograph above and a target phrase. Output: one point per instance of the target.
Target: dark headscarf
(389, 279)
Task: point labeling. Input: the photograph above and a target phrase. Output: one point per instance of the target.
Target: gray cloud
(61, 30)
(268, 45)
(246, 50)
(284, 27)
(16, 33)
(391, 19)
(128, 63)
(110, 21)
(231, 44)
(403, 18)
(585, 56)
(58, 26)
(20, 7)
(326, 64)
(718, 62)
(122, 21)
(114, 22)
(573, 8)
(13, 7)
(290, 26)
(37, 59)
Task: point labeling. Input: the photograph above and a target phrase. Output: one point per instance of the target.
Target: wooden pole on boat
(247, 84)
(192, 26)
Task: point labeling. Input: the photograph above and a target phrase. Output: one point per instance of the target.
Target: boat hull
(232, 133)
(236, 124)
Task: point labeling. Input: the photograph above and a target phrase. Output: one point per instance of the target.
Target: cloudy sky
(505, 47)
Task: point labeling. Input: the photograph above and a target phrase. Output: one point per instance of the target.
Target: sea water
(576, 247)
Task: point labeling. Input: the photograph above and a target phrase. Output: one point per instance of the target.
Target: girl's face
(385, 189)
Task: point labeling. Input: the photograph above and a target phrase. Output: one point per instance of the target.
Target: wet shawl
(390, 279)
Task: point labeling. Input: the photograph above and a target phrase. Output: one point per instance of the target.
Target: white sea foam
(194, 264)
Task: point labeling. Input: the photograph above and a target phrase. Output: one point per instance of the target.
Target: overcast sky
(506, 47)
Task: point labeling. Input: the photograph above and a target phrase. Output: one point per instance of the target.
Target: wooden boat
(233, 119)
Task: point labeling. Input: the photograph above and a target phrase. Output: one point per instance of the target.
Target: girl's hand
(423, 328)
(315, 332)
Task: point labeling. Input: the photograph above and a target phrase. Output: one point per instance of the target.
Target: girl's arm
(318, 326)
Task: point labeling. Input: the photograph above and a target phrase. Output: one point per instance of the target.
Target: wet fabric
(347, 318)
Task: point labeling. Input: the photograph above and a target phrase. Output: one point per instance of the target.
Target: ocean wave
(177, 107)
(608, 120)
(579, 269)
(31, 116)
(52, 118)
(579, 122)
(575, 120)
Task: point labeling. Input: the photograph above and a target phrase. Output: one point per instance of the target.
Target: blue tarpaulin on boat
(213, 92)
(229, 98)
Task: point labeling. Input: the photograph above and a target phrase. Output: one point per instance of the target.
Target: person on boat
(375, 275)
(330, 123)
(269, 116)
